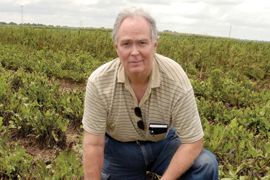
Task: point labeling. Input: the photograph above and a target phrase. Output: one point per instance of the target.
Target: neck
(139, 80)
(139, 86)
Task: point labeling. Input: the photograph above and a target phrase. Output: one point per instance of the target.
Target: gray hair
(132, 12)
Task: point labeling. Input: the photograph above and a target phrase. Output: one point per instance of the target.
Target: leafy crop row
(33, 106)
(200, 56)
(61, 65)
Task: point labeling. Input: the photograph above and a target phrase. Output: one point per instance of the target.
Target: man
(140, 112)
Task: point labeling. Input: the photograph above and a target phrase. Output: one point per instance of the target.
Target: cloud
(109, 4)
(249, 19)
(215, 2)
(224, 2)
(151, 2)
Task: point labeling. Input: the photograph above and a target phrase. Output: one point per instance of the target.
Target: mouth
(135, 62)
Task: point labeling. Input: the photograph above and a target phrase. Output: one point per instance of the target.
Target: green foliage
(209, 53)
(216, 80)
(75, 66)
(233, 145)
(1, 124)
(30, 109)
(14, 162)
(67, 166)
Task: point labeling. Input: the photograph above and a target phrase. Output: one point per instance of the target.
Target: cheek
(148, 53)
(123, 59)
(122, 53)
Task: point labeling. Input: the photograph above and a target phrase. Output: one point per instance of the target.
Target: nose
(134, 51)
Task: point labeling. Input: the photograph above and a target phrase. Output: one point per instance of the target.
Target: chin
(135, 71)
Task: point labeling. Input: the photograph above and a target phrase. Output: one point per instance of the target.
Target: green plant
(14, 161)
(67, 165)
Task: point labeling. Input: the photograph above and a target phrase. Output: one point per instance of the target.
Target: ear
(116, 48)
(155, 45)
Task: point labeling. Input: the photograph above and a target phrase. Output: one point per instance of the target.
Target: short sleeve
(186, 119)
(95, 114)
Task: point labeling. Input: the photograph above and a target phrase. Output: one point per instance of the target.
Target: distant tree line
(23, 24)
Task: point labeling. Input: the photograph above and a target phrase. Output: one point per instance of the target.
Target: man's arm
(93, 155)
(183, 159)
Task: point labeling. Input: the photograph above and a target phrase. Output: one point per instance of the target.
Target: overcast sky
(248, 19)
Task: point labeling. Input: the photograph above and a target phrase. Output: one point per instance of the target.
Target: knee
(205, 167)
(207, 161)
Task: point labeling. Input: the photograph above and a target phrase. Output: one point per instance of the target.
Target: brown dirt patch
(48, 154)
(69, 85)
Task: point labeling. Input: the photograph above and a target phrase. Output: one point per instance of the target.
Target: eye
(142, 42)
(125, 44)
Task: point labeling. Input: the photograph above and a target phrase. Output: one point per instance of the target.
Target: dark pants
(131, 160)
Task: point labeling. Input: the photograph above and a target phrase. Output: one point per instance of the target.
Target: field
(43, 73)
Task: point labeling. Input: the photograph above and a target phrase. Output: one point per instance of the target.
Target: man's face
(134, 46)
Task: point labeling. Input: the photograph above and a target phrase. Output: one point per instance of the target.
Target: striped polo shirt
(169, 99)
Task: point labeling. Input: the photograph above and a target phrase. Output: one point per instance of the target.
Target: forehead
(134, 26)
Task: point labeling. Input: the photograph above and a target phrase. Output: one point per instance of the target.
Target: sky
(240, 19)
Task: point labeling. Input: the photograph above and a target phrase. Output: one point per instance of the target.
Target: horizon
(74, 27)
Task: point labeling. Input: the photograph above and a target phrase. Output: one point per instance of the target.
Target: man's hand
(93, 155)
(182, 160)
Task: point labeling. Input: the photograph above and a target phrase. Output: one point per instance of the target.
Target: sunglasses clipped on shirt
(154, 129)
(138, 113)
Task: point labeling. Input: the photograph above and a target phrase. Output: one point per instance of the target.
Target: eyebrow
(127, 40)
(144, 39)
